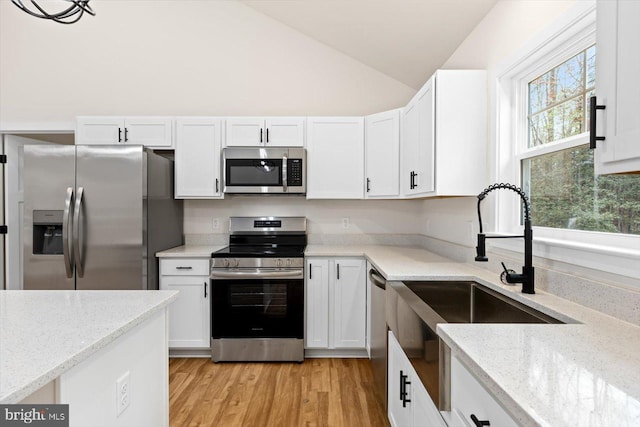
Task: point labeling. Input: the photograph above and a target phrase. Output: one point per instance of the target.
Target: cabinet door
(382, 155)
(335, 160)
(469, 397)
(425, 412)
(618, 86)
(189, 314)
(245, 132)
(99, 130)
(317, 303)
(284, 132)
(400, 415)
(418, 146)
(152, 132)
(198, 146)
(349, 297)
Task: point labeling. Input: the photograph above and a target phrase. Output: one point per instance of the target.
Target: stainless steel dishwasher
(377, 285)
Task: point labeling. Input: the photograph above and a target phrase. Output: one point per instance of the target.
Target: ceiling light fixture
(69, 15)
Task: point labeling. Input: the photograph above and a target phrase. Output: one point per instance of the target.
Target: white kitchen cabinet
(335, 157)
(382, 155)
(618, 86)
(190, 313)
(197, 158)
(265, 132)
(152, 132)
(469, 397)
(444, 134)
(336, 303)
(408, 403)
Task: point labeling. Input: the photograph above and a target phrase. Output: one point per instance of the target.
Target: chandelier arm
(59, 15)
(68, 16)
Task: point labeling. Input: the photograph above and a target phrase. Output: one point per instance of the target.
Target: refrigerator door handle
(67, 249)
(76, 233)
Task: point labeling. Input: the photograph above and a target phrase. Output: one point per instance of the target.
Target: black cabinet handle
(217, 185)
(412, 183)
(267, 135)
(338, 265)
(403, 389)
(126, 134)
(593, 107)
(119, 135)
(478, 422)
(260, 134)
(205, 289)
(184, 268)
(309, 271)
(368, 185)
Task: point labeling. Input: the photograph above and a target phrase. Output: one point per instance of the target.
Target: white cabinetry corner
(153, 132)
(382, 155)
(335, 157)
(470, 400)
(190, 314)
(197, 158)
(618, 86)
(408, 403)
(444, 134)
(265, 132)
(336, 305)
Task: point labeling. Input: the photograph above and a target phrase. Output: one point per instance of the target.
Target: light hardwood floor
(318, 392)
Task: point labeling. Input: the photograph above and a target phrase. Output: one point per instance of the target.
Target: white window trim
(609, 252)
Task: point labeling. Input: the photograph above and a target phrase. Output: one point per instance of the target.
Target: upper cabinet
(444, 134)
(265, 132)
(197, 158)
(335, 157)
(382, 155)
(618, 86)
(152, 132)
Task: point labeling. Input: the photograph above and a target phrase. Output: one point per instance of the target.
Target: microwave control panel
(294, 172)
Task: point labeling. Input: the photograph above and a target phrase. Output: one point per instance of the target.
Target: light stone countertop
(188, 251)
(45, 333)
(583, 373)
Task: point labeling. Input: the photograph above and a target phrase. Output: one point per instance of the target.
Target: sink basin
(470, 302)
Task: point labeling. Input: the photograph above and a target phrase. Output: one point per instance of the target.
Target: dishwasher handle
(377, 279)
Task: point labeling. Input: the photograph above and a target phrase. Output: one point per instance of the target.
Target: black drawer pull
(593, 107)
(205, 289)
(184, 268)
(478, 422)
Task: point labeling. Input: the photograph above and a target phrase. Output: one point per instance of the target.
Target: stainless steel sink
(470, 302)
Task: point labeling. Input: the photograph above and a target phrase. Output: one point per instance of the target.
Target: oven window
(254, 172)
(270, 300)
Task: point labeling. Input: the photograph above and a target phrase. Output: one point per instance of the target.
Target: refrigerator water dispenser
(47, 232)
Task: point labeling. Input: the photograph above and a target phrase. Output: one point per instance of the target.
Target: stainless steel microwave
(264, 170)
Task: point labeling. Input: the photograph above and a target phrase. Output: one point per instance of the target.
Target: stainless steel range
(258, 291)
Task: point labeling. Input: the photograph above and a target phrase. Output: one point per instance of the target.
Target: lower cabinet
(336, 303)
(470, 400)
(408, 402)
(190, 313)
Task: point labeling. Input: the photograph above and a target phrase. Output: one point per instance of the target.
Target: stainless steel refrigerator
(94, 216)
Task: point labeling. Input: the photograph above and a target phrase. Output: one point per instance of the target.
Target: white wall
(505, 29)
(179, 57)
(324, 216)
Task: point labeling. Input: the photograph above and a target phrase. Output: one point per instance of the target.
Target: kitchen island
(77, 347)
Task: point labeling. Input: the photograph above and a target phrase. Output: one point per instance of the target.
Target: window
(560, 183)
(541, 139)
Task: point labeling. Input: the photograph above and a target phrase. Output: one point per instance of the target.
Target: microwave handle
(284, 173)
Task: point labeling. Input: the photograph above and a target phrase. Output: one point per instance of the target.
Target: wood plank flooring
(318, 392)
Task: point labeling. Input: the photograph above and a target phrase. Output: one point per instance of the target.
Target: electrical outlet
(216, 223)
(123, 393)
(345, 223)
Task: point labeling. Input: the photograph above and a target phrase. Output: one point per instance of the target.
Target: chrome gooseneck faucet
(527, 276)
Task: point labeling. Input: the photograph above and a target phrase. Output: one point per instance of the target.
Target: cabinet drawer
(184, 267)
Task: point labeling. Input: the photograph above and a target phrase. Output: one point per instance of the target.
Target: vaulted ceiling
(404, 39)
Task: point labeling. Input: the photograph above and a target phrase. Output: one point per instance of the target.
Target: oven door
(247, 306)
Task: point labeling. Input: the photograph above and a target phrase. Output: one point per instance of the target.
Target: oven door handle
(257, 274)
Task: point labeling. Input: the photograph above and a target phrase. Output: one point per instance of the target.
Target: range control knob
(225, 262)
(237, 262)
(289, 262)
(279, 262)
